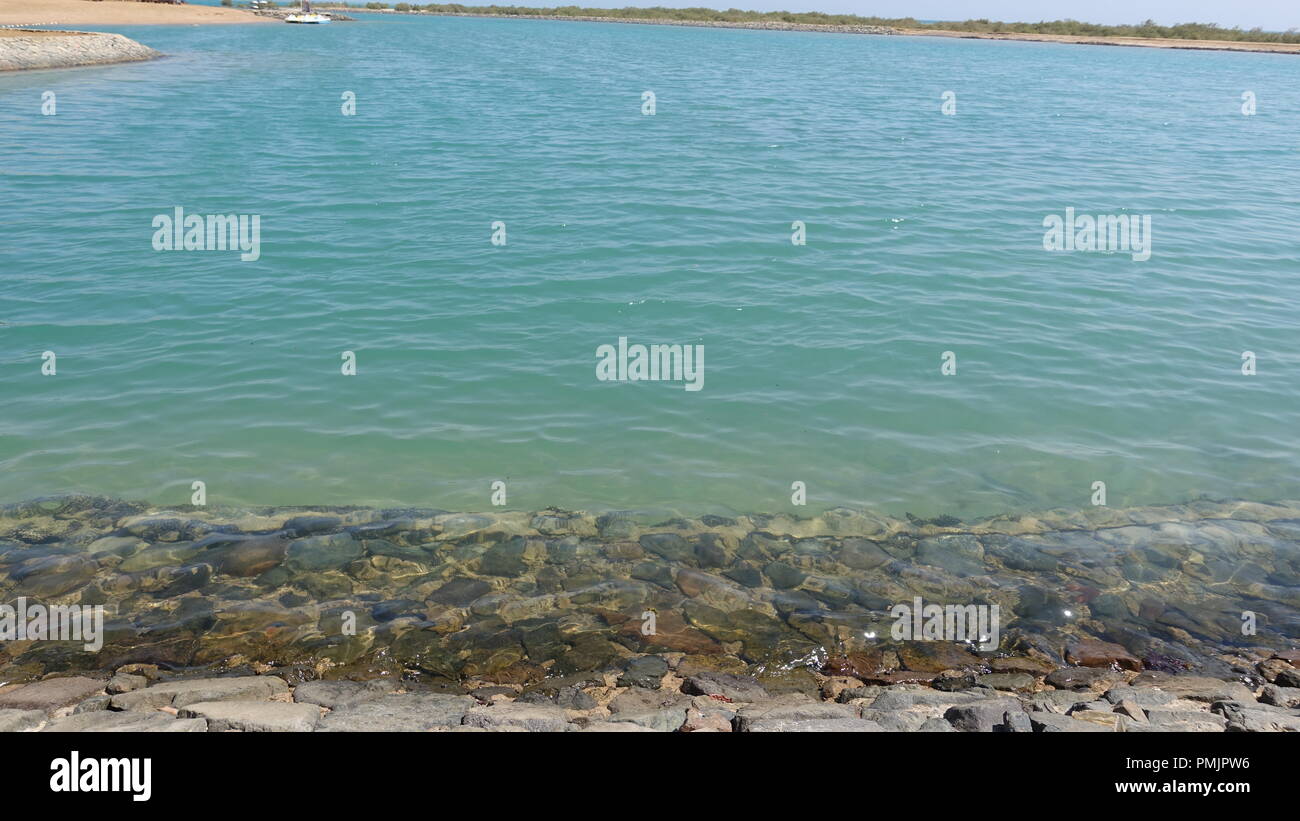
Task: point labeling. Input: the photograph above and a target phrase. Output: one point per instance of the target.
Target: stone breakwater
(568, 612)
(657, 694)
(21, 49)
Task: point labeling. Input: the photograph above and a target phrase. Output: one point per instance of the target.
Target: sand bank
(116, 13)
(1146, 42)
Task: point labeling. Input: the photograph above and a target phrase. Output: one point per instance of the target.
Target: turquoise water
(476, 362)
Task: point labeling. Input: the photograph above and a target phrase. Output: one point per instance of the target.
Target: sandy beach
(117, 13)
(1146, 42)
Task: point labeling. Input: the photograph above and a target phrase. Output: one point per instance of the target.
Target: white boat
(307, 16)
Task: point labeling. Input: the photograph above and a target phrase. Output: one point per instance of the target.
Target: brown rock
(694, 665)
(672, 634)
(705, 722)
(1292, 656)
(832, 687)
(858, 664)
(1022, 664)
(1130, 708)
(935, 657)
(1096, 653)
(254, 556)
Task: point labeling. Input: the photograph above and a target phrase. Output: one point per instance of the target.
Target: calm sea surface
(477, 362)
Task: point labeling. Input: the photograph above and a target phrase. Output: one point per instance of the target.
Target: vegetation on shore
(1147, 30)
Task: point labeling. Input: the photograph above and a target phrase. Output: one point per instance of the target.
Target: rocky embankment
(665, 693)
(1182, 617)
(29, 49)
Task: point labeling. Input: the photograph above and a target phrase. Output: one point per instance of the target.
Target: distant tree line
(1148, 29)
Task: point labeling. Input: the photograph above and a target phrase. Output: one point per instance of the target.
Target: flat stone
(1174, 727)
(793, 713)
(733, 688)
(181, 693)
(1057, 701)
(1242, 718)
(336, 694)
(17, 721)
(125, 683)
(861, 554)
(534, 718)
(962, 555)
(668, 720)
(1145, 697)
(1111, 719)
(255, 716)
(896, 699)
(1022, 664)
(51, 694)
(615, 727)
(1195, 688)
(1057, 723)
(317, 553)
(1082, 678)
(641, 700)
(1097, 653)
(815, 725)
(397, 713)
(459, 592)
(937, 656)
(105, 721)
(1014, 682)
(1174, 719)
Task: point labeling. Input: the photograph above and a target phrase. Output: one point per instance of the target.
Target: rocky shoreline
(657, 693)
(1123, 619)
(22, 49)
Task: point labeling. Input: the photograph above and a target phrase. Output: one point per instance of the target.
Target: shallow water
(512, 597)
(477, 363)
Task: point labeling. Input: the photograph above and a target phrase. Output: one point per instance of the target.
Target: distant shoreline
(1142, 42)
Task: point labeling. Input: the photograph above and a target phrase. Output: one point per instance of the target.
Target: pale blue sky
(1274, 15)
